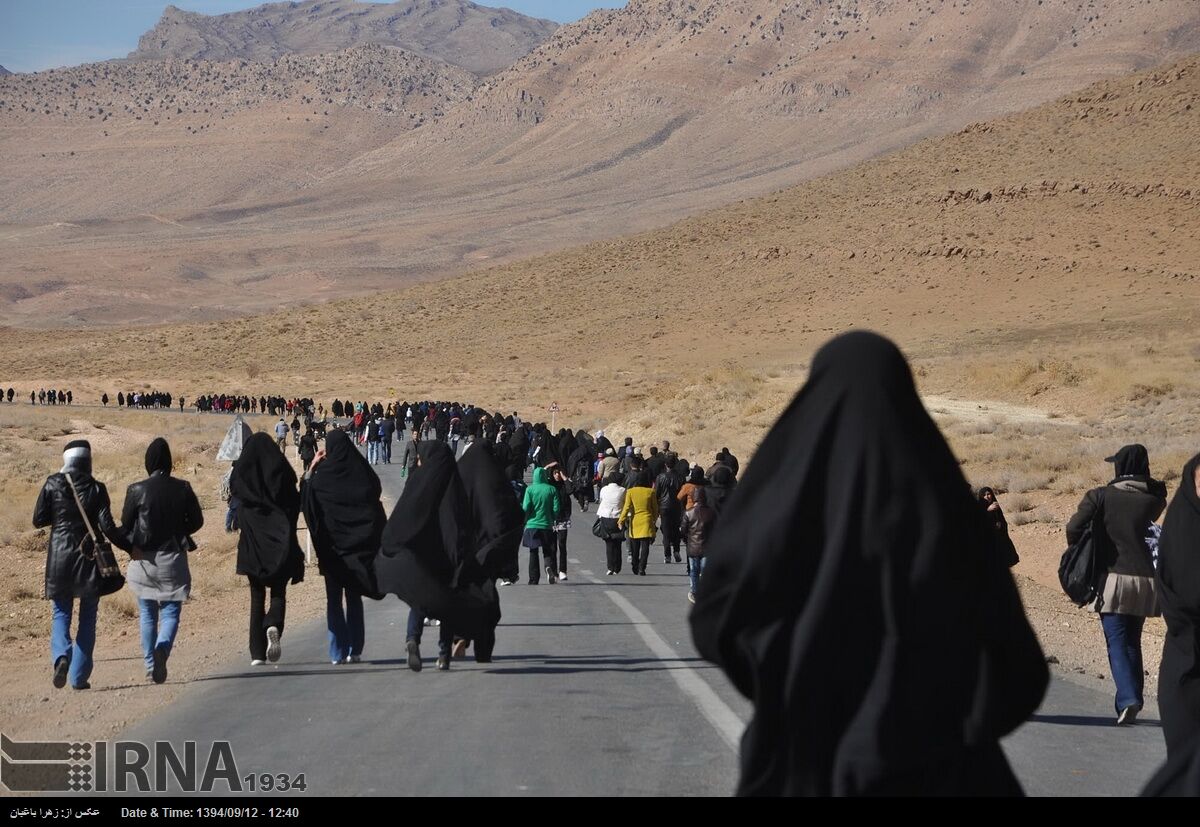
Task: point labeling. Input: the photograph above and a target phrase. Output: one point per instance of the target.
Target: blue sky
(43, 34)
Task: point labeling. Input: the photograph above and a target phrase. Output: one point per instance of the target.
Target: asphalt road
(595, 689)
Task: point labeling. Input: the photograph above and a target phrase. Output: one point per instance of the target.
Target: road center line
(726, 722)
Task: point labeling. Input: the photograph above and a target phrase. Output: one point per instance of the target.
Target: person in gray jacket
(1127, 505)
(160, 515)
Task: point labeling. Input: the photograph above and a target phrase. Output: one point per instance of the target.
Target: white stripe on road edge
(728, 725)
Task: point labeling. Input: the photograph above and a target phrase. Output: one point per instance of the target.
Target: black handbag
(598, 530)
(1081, 565)
(98, 549)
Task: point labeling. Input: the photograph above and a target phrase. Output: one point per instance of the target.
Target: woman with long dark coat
(1179, 596)
(851, 594)
(428, 558)
(268, 554)
(340, 498)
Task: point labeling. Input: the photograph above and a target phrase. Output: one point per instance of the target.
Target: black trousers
(612, 550)
(670, 534)
(260, 621)
(561, 537)
(548, 546)
(641, 554)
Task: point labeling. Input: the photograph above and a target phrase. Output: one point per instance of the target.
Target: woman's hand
(320, 455)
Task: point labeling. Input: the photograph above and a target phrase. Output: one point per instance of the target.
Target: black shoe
(677, 560)
(84, 685)
(414, 656)
(61, 667)
(159, 673)
(443, 663)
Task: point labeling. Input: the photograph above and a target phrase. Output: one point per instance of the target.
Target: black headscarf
(158, 457)
(269, 505)
(498, 518)
(720, 487)
(1131, 461)
(344, 514)
(1179, 595)
(849, 591)
(427, 555)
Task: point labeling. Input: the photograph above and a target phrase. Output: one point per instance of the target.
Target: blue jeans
(416, 624)
(1123, 634)
(80, 651)
(347, 631)
(695, 569)
(386, 445)
(160, 623)
(373, 452)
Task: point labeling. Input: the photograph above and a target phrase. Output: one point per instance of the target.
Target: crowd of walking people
(849, 582)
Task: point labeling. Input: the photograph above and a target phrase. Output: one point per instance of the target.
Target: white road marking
(726, 722)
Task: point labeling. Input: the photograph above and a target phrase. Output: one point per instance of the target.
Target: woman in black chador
(340, 496)
(851, 592)
(1179, 596)
(268, 554)
(428, 557)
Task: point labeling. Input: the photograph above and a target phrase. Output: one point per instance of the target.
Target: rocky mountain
(376, 78)
(625, 121)
(4, 72)
(477, 38)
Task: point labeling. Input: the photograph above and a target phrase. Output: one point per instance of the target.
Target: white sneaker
(610, 572)
(354, 659)
(274, 650)
(435, 622)
(338, 662)
(562, 577)
(258, 662)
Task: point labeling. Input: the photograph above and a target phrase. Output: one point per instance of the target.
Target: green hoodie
(541, 502)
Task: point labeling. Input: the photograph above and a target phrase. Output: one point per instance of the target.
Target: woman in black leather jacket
(70, 574)
(160, 515)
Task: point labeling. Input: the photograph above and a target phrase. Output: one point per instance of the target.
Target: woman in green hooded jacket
(541, 507)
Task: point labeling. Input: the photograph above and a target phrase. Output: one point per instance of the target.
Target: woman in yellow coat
(640, 513)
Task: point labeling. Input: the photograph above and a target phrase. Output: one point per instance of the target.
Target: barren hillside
(477, 38)
(1068, 228)
(623, 122)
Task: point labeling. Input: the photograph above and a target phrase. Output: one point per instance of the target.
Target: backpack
(1080, 566)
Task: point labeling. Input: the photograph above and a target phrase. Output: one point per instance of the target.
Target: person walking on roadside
(387, 432)
(427, 558)
(854, 531)
(608, 512)
(281, 435)
(340, 497)
(374, 454)
(1124, 510)
(540, 505)
(666, 488)
(160, 515)
(268, 554)
(308, 447)
(562, 520)
(499, 524)
(639, 515)
(73, 504)
(695, 481)
(1179, 595)
(696, 525)
(408, 462)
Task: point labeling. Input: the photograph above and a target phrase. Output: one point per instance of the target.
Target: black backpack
(1080, 568)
